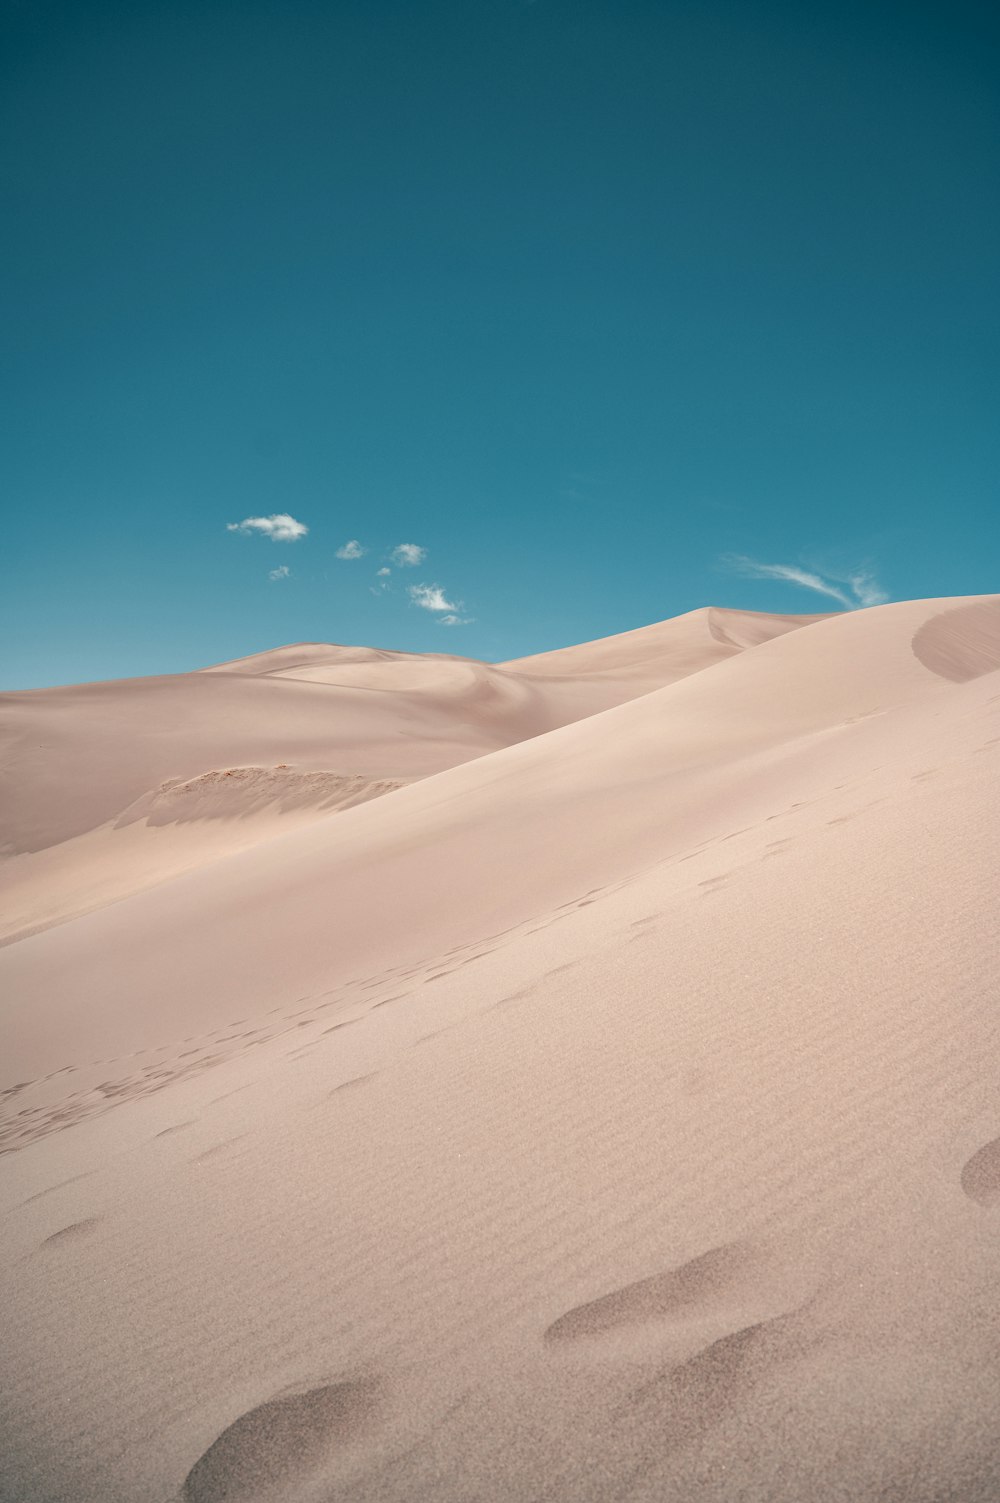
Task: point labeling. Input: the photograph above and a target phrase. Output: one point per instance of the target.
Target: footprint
(53, 1188)
(226, 1095)
(72, 1232)
(526, 991)
(713, 884)
(425, 1038)
(22, 1085)
(699, 1393)
(217, 1148)
(981, 1175)
(178, 1127)
(345, 1085)
(733, 1270)
(283, 1444)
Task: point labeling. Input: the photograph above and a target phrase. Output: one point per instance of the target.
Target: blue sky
(603, 308)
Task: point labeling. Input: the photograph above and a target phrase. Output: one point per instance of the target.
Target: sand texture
(567, 1080)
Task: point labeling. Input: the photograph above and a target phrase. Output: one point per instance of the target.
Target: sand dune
(85, 763)
(183, 824)
(654, 656)
(609, 1112)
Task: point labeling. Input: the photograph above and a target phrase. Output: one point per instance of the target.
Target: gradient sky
(588, 299)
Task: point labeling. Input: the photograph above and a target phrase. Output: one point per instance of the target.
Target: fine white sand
(571, 1079)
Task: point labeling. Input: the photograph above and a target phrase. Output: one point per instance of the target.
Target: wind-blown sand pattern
(571, 1079)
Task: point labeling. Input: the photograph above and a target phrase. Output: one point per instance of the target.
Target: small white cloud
(408, 555)
(453, 620)
(281, 572)
(383, 573)
(353, 549)
(280, 528)
(862, 587)
(431, 598)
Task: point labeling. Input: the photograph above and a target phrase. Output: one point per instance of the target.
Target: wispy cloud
(853, 590)
(408, 555)
(281, 572)
(866, 588)
(454, 620)
(431, 598)
(280, 528)
(383, 573)
(353, 549)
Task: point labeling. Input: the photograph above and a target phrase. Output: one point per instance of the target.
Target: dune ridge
(608, 1114)
(85, 762)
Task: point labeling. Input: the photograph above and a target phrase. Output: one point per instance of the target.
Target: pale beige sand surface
(107, 788)
(613, 1115)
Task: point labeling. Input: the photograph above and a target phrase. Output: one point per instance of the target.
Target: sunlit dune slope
(612, 1116)
(488, 842)
(263, 740)
(653, 656)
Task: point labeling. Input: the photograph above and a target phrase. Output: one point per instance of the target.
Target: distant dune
(566, 1079)
(257, 748)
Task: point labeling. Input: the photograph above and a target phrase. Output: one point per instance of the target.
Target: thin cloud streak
(862, 587)
(867, 589)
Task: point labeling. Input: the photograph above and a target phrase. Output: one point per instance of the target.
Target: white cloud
(280, 528)
(383, 573)
(453, 620)
(281, 572)
(431, 597)
(408, 555)
(353, 549)
(862, 587)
